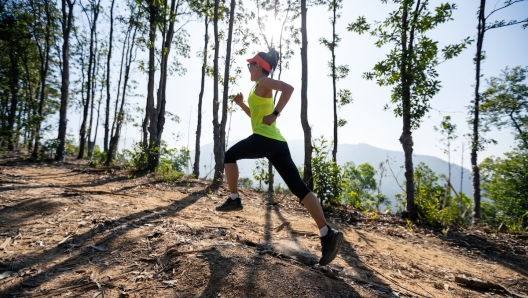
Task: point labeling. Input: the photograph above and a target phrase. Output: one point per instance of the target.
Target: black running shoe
(330, 246)
(230, 205)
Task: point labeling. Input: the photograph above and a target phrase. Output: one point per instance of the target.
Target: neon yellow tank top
(260, 107)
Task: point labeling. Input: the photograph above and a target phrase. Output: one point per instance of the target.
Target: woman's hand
(239, 98)
(268, 120)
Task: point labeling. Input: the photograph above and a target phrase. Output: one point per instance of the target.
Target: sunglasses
(251, 64)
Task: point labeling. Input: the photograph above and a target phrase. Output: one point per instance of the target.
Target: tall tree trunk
(406, 136)
(157, 120)
(217, 144)
(151, 71)
(67, 17)
(43, 76)
(114, 140)
(334, 150)
(196, 169)
(91, 143)
(13, 86)
(109, 57)
(91, 62)
(221, 150)
(308, 175)
(476, 111)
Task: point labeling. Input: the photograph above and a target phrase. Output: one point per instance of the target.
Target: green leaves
(360, 26)
(505, 103)
(419, 54)
(505, 182)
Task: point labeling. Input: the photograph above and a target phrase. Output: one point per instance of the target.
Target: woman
(267, 141)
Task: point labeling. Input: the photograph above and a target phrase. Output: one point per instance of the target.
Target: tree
(162, 17)
(308, 175)
(92, 14)
(477, 143)
(44, 49)
(337, 72)
(505, 182)
(107, 79)
(67, 17)
(128, 56)
(410, 69)
(360, 184)
(447, 129)
(505, 103)
(217, 144)
(202, 9)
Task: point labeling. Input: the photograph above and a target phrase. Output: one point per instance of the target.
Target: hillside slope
(68, 231)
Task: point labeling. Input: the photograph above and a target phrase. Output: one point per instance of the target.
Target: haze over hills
(358, 154)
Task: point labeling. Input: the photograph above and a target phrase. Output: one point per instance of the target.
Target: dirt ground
(69, 230)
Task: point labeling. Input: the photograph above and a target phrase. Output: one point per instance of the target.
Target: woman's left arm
(286, 92)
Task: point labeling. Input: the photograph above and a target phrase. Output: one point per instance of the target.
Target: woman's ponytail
(272, 57)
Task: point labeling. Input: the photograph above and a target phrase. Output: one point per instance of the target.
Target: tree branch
(507, 5)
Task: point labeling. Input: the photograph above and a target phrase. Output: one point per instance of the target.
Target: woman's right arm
(246, 109)
(239, 100)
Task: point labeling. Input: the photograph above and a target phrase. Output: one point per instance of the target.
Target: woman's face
(253, 68)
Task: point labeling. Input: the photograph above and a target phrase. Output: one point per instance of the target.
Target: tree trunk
(13, 86)
(196, 169)
(308, 176)
(476, 111)
(91, 62)
(406, 136)
(334, 151)
(91, 143)
(43, 76)
(157, 120)
(225, 97)
(151, 72)
(218, 152)
(107, 114)
(119, 117)
(67, 17)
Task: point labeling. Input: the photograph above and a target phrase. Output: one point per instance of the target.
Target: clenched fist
(239, 98)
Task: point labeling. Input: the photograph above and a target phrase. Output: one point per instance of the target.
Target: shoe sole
(229, 210)
(331, 256)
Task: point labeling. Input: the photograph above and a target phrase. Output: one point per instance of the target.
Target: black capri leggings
(277, 152)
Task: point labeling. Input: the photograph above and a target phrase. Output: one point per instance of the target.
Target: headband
(260, 62)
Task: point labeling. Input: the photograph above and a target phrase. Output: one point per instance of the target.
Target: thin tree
(44, 53)
(337, 73)
(308, 175)
(477, 143)
(205, 12)
(92, 14)
(67, 17)
(157, 114)
(410, 68)
(127, 58)
(107, 79)
(217, 143)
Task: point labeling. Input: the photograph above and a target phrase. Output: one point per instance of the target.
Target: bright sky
(367, 121)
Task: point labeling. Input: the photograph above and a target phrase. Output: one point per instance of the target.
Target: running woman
(267, 141)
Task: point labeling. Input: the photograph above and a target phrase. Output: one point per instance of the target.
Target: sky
(367, 121)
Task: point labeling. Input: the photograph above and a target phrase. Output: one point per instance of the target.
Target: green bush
(505, 183)
(327, 175)
(358, 185)
(429, 198)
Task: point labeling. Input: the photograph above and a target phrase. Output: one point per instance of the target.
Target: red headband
(260, 62)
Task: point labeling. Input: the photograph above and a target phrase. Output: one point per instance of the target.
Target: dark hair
(272, 57)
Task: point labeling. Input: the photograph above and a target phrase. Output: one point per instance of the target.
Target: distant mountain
(358, 154)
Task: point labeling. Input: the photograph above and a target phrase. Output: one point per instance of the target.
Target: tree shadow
(112, 233)
(219, 268)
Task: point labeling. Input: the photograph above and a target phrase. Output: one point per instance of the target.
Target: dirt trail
(71, 232)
